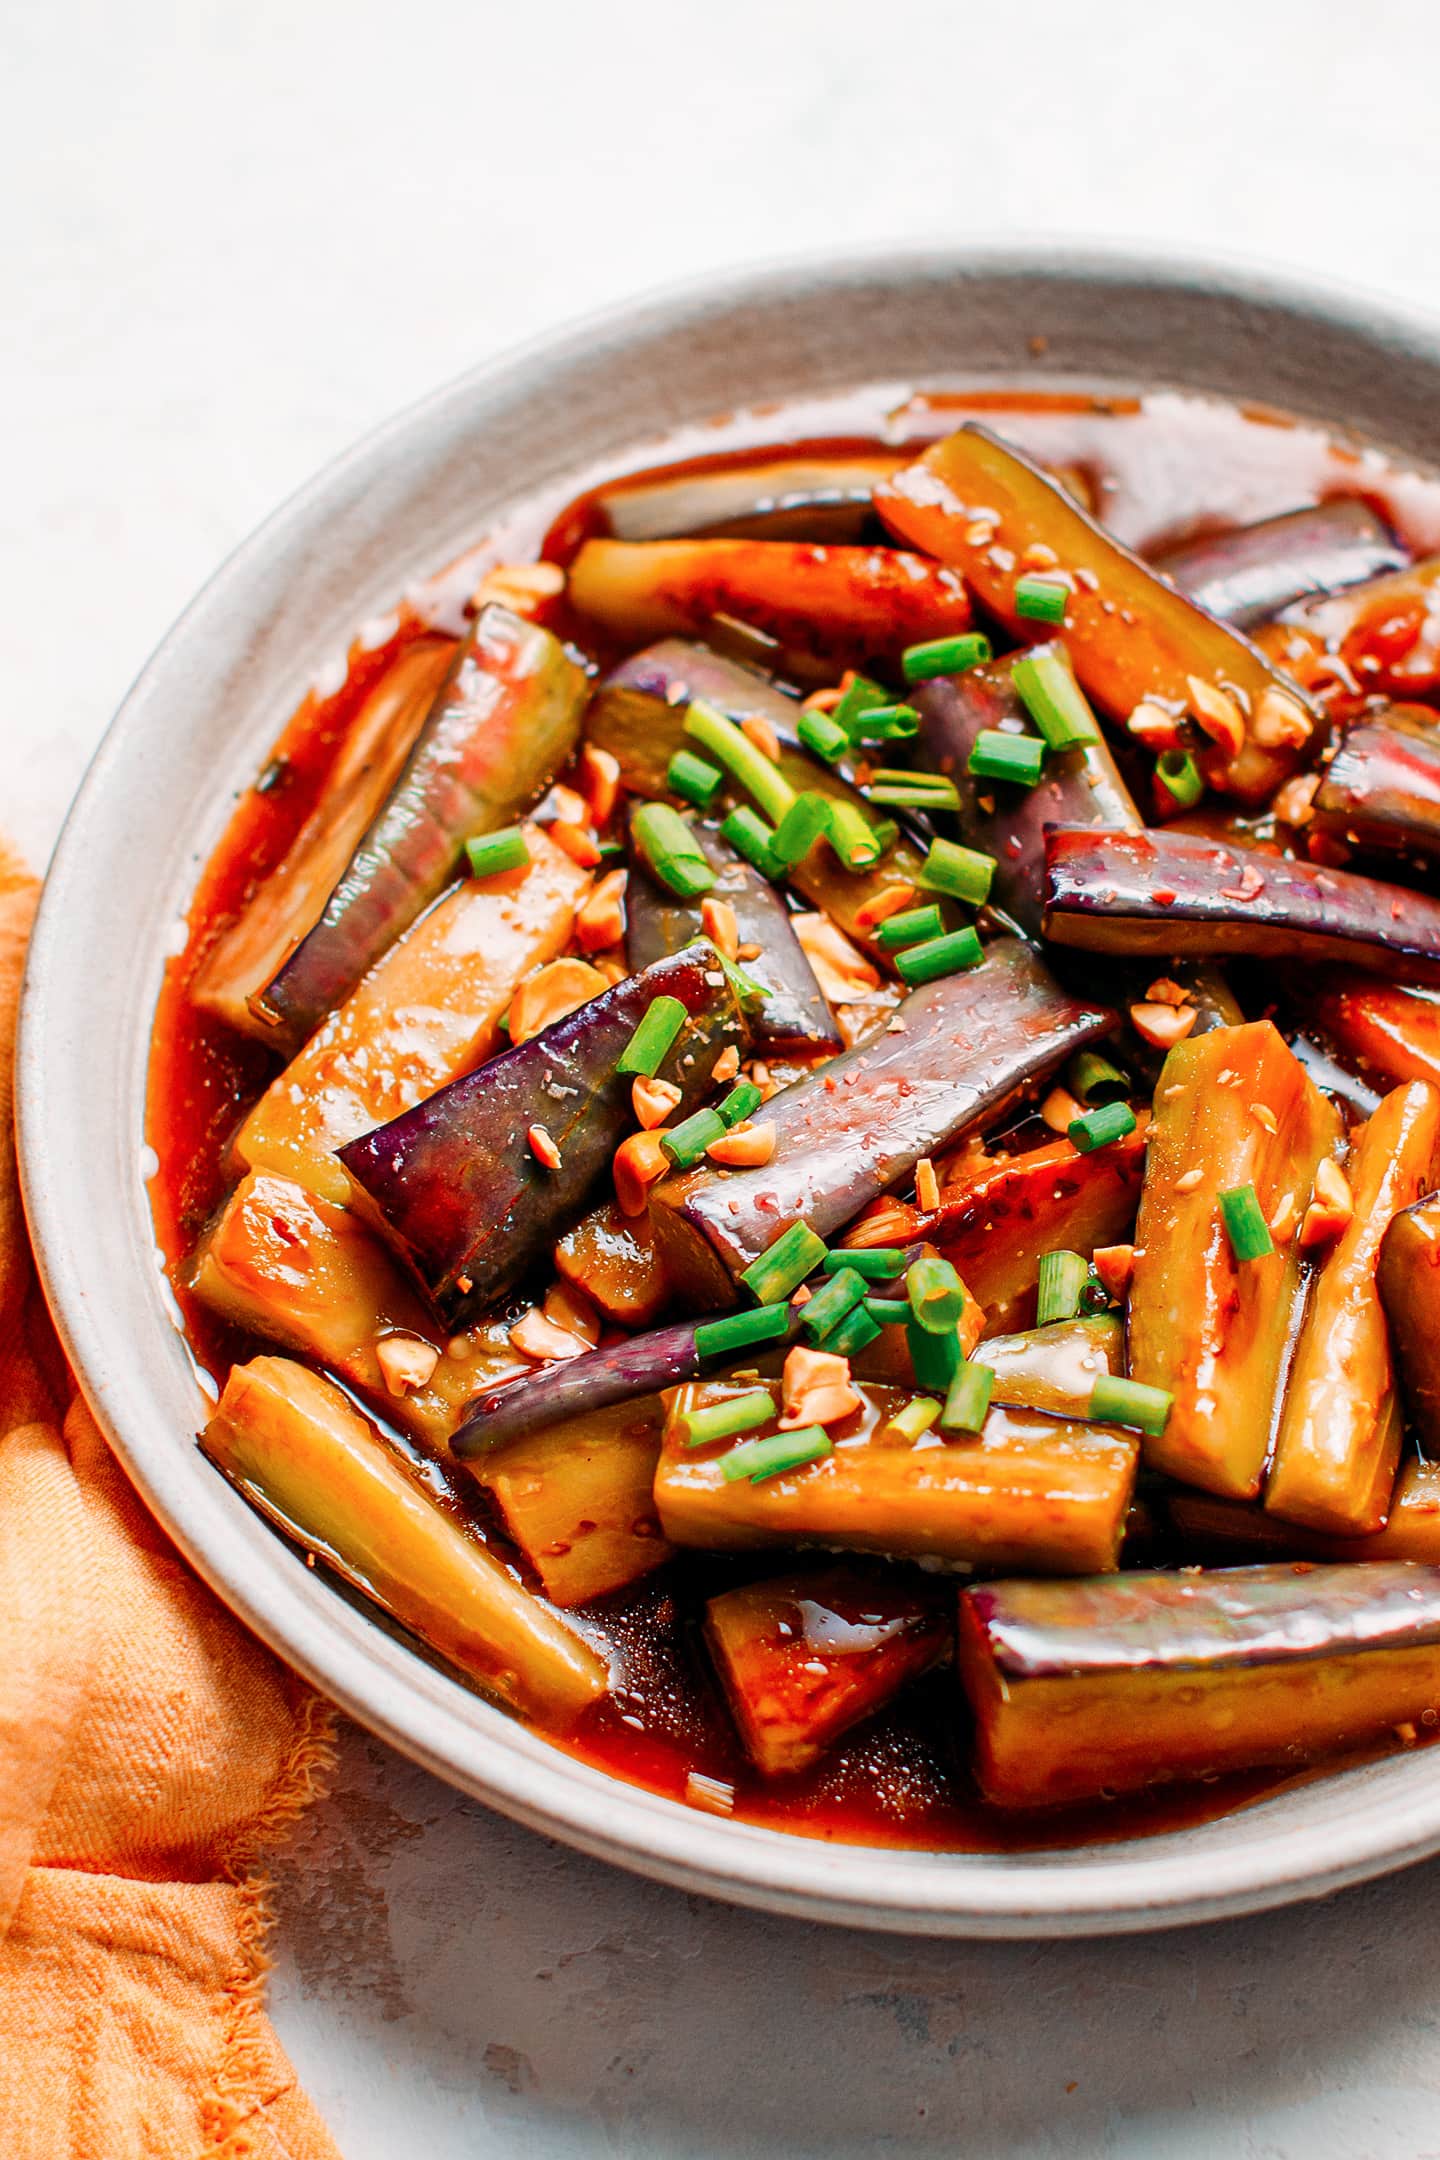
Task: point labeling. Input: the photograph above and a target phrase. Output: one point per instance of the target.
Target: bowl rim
(423, 1712)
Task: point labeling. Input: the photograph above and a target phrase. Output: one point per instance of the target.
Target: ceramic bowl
(191, 735)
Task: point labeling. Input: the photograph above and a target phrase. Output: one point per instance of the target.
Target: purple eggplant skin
(956, 1051)
(505, 720)
(1247, 575)
(1382, 788)
(1171, 893)
(820, 495)
(453, 1183)
(790, 1019)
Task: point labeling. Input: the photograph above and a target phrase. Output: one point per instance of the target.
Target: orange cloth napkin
(150, 1751)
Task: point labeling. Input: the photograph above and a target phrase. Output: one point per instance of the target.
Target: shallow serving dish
(190, 736)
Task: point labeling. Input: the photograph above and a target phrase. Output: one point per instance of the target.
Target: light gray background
(231, 237)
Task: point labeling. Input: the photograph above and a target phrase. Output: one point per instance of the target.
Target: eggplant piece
(790, 1018)
(301, 1454)
(1382, 788)
(1054, 1368)
(577, 1499)
(454, 1181)
(1222, 1531)
(808, 495)
(1410, 1291)
(1029, 1492)
(288, 901)
(1163, 893)
(1377, 640)
(429, 1011)
(611, 1259)
(804, 1658)
(1085, 1689)
(1338, 1446)
(1008, 1209)
(979, 505)
(283, 1264)
(827, 608)
(505, 720)
(1246, 575)
(1234, 1108)
(1377, 1028)
(955, 1053)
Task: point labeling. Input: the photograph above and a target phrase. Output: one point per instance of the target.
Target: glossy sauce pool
(1160, 468)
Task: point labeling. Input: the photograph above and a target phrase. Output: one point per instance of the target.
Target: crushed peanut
(1059, 1110)
(638, 1162)
(815, 1389)
(1218, 713)
(405, 1362)
(758, 730)
(1284, 1219)
(521, 587)
(927, 1185)
(536, 1337)
(1332, 1205)
(1280, 721)
(553, 991)
(1114, 1264)
(601, 921)
(726, 1066)
(653, 1101)
(1165, 992)
(1294, 803)
(1162, 1026)
(840, 968)
(717, 918)
(890, 900)
(542, 1147)
(600, 771)
(745, 1147)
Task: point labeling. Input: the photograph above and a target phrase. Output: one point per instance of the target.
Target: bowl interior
(189, 739)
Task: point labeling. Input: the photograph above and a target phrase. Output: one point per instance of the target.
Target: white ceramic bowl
(190, 736)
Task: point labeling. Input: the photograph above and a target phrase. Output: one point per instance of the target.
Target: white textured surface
(235, 235)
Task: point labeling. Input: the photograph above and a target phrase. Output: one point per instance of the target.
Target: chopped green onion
(1061, 1286)
(694, 777)
(968, 1398)
(886, 723)
(962, 872)
(914, 1417)
(852, 1334)
(723, 1420)
(889, 1311)
(913, 791)
(1179, 775)
(831, 1302)
(859, 696)
(686, 1142)
(998, 755)
(802, 825)
(1041, 599)
(743, 1101)
(936, 1294)
(609, 849)
(740, 1330)
(934, 1359)
(1093, 1079)
(877, 1264)
(1130, 1402)
(653, 1039)
(822, 733)
(1245, 1224)
(1054, 700)
(911, 928)
(1097, 1128)
(755, 772)
(492, 852)
(855, 840)
(783, 1266)
(939, 956)
(756, 1459)
(944, 656)
(751, 837)
(671, 850)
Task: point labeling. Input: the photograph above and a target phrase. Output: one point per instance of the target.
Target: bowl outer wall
(190, 736)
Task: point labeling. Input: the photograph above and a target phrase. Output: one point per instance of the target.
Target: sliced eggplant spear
(1054, 1368)
(1220, 1532)
(1382, 788)
(505, 720)
(1377, 640)
(1167, 893)
(1248, 574)
(806, 495)
(576, 1499)
(1384, 1032)
(1410, 1290)
(473, 1184)
(610, 1258)
(1084, 1689)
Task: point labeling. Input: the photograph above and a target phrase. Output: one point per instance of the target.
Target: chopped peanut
(567, 1307)
(1163, 1025)
(712, 1794)
(1280, 721)
(1284, 1219)
(890, 900)
(639, 1161)
(601, 921)
(756, 729)
(653, 1100)
(1114, 1264)
(613, 971)
(405, 1362)
(554, 990)
(521, 587)
(927, 1185)
(578, 842)
(717, 918)
(600, 771)
(840, 968)
(536, 1337)
(1190, 1179)
(1264, 1115)
(823, 700)
(1332, 1204)
(815, 1389)
(1165, 992)
(727, 1065)
(1152, 725)
(744, 1147)
(1060, 1110)
(1218, 713)
(889, 1222)
(543, 1147)
(1294, 803)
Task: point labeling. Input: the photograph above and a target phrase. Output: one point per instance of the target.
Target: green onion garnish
(694, 777)
(997, 755)
(671, 850)
(686, 1142)
(492, 852)
(939, 956)
(935, 1294)
(859, 696)
(855, 840)
(652, 1040)
(741, 1330)
(962, 872)
(743, 1101)
(723, 1420)
(755, 772)
(1245, 1224)
(802, 825)
(757, 1459)
(751, 837)
(1097, 1128)
(913, 791)
(889, 1311)
(911, 928)
(854, 1333)
(1179, 775)
(822, 733)
(1061, 1286)
(934, 1359)
(914, 1417)
(877, 1264)
(967, 1398)
(1129, 1402)
(1041, 599)
(944, 656)
(831, 1302)
(1093, 1079)
(886, 723)
(1054, 700)
(796, 1253)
